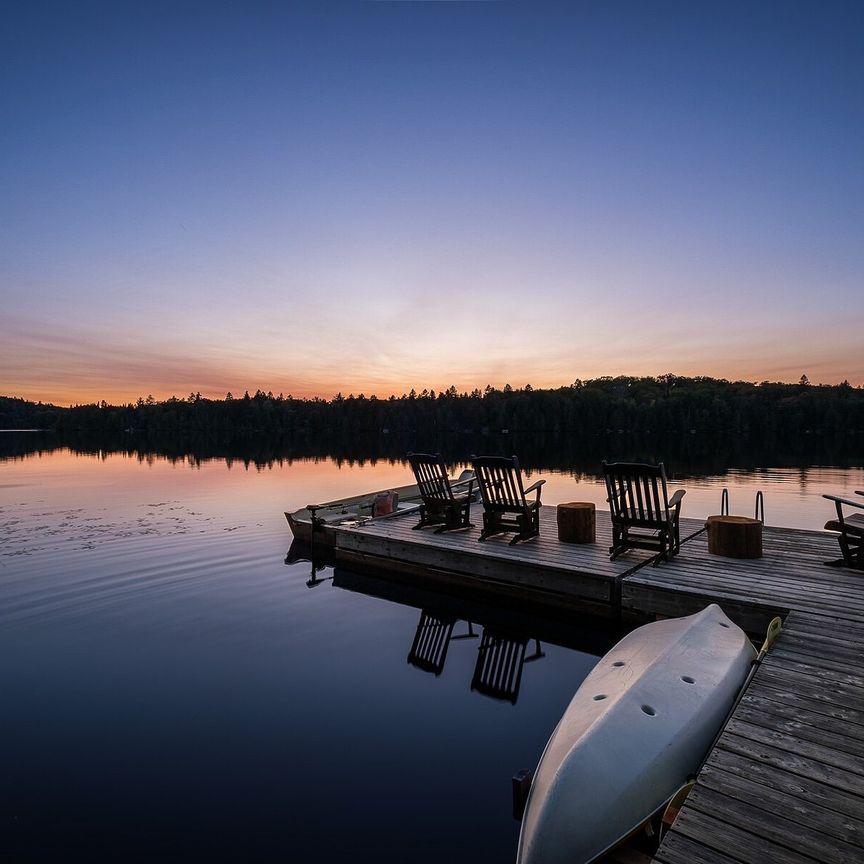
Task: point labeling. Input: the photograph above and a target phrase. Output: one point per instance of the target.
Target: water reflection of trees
(696, 425)
(700, 454)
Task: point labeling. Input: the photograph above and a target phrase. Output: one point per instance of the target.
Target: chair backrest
(500, 481)
(432, 478)
(637, 493)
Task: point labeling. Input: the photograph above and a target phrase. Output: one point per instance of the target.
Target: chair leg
(455, 519)
(422, 523)
(521, 538)
(619, 542)
(528, 527)
(490, 526)
(673, 537)
(663, 554)
(853, 553)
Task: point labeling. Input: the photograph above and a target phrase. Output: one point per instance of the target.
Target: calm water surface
(174, 691)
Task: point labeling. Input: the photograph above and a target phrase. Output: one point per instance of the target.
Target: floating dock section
(578, 577)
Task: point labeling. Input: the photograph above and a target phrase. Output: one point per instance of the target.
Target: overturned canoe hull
(636, 729)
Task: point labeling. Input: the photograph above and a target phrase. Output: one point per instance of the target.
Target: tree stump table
(734, 536)
(577, 522)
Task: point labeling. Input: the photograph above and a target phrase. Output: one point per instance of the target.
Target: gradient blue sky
(374, 196)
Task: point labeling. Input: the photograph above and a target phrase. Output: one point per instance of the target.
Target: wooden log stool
(734, 536)
(577, 522)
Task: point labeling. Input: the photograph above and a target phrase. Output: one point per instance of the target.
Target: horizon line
(386, 396)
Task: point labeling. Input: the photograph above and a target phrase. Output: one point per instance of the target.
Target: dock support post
(521, 787)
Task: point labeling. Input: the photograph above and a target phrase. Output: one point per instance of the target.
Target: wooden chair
(506, 507)
(441, 506)
(850, 530)
(643, 516)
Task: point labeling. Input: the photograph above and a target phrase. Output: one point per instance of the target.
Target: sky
(313, 198)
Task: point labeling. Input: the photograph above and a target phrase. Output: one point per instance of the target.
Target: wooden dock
(578, 577)
(785, 782)
(791, 575)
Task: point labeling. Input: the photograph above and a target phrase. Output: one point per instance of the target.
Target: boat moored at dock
(317, 521)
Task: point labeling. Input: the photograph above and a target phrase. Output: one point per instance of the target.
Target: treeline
(667, 404)
(21, 414)
(664, 405)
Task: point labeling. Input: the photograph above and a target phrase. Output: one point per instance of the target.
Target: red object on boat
(385, 502)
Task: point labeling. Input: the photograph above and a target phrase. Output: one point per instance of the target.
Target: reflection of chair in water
(850, 532)
(500, 658)
(469, 634)
(429, 649)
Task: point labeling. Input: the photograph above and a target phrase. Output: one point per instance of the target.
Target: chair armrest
(534, 486)
(675, 500)
(848, 501)
(459, 483)
(859, 492)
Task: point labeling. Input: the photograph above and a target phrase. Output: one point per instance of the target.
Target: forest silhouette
(707, 423)
(667, 403)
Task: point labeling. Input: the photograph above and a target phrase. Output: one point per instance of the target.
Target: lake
(175, 691)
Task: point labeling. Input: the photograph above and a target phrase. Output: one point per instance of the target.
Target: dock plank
(679, 849)
(800, 756)
(795, 720)
(794, 791)
(791, 575)
(729, 838)
(783, 829)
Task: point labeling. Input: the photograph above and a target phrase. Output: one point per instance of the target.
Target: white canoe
(639, 725)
